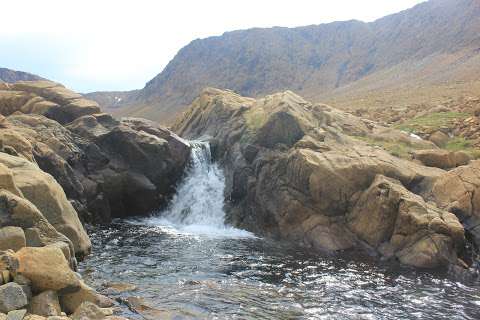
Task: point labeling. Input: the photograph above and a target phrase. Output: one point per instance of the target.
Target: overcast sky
(92, 45)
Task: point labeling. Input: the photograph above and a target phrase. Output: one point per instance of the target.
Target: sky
(99, 45)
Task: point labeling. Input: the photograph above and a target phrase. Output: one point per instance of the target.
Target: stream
(186, 264)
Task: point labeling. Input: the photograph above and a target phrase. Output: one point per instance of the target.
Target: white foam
(197, 207)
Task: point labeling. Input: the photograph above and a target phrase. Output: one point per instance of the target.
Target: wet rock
(148, 312)
(12, 238)
(71, 301)
(48, 269)
(117, 287)
(12, 297)
(89, 311)
(45, 304)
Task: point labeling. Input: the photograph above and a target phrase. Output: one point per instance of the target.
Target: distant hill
(432, 44)
(10, 76)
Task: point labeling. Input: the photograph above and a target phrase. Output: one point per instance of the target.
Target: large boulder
(47, 269)
(458, 191)
(399, 223)
(441, 158)
(316, 182)
(133, 164)
(47, 195)
(72, 301)
(45, 304)
(20, 212)
(89, 311)
(65, 105)
(12, 238)
(12, 297)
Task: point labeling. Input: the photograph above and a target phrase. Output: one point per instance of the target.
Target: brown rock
(8, 261)
(12, 297)
(71, 301)
(461, 158)
(45, 304)
(47, 195)
(48, 269)
(397, 222)
(439, 138)
(34, 317)
(6, 181)
(89, 311)
(436, 158)
(458, 191)
(22, 213)
(12, 238)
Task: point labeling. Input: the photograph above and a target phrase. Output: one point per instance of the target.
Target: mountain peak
(435, 41)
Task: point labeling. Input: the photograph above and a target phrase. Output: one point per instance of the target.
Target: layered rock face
(302, 172)
(108, 168)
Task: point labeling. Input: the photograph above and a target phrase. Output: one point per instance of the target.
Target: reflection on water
(211, 277)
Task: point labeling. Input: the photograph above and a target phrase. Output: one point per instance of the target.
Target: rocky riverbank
(304, 172)
(63, 162)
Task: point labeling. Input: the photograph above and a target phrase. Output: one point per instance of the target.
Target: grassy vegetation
(461, 144)
(396, 148)
(255, 118)
(431, 121)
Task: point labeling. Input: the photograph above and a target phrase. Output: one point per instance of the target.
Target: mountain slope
(434, 42)
(10, 76)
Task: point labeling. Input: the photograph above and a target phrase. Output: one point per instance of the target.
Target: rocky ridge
(434, 43)
(10, 76)
(302, 172)
(62, 162)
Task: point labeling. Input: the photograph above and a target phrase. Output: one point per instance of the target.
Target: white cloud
(106, 45)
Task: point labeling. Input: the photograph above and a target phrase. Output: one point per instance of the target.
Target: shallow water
(250, 278)
(186, 262)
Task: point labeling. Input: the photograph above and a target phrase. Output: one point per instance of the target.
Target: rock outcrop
(47, 98)
(441, 158)
(458, 191)
(107, 167)
(299, 171)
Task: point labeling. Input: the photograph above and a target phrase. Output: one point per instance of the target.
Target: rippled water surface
(187, 264)
(209, 277)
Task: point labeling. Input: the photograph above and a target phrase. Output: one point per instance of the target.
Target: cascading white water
(197, 206)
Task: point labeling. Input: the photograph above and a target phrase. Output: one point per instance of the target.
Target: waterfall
(197, 206)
